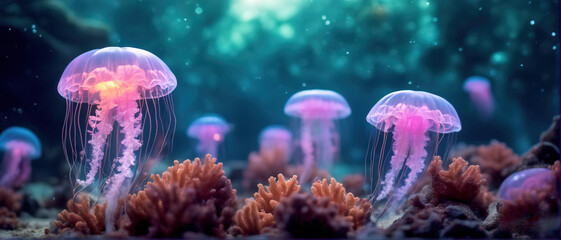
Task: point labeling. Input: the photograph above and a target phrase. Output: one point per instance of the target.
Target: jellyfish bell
(526, 182)
(319, 138)
(126, 90)
(410, 117)
(20, 146)
(276, 137)
(479, 90)
(209, 130)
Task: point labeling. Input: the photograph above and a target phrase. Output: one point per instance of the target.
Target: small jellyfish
(319, 139)
(126, 88)
(525, 182)
(479, 90)
(20, 146)
(409, 116)
(210, 131)
(276, 137)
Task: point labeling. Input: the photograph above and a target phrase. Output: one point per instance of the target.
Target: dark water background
(243, 59)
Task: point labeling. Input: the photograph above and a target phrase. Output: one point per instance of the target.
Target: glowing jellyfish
(276, 137)
(319, 139)
(409, 116)
(20, 146)
(525, 182)
(126, 87)
(210, 131)
(479, 90)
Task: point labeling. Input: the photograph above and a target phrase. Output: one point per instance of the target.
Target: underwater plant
(409, 116)
(276, 136)
(116, 86)
(10, 204)
(479, 90)
(209, 130)
(319, 139)
(20, 146)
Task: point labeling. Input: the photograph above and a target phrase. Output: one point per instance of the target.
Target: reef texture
(355, 210)
(190, 197)
(304, 216)
(257, 214)
(81, 218)
(493, 160)
(262, 165)
(355, 183)
(10, 204)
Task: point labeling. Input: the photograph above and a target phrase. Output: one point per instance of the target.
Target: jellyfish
(479, 90)
(20, 146)
(276, 137)
(319, 139)
(409, 116)
(122, 91)
(209, 130)
(524, 182)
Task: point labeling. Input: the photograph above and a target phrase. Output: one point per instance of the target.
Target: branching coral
(262, 165)
(493, 159)
(80, 217)
(353, 208)
(314, 173)
(305, 216)
(459, 184)
(10, 203)
(188, 197)
(257, 214)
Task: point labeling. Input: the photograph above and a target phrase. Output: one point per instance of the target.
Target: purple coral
(409, 116)
(210, 131)
(20, 146)
(117, 85)
(319, 139)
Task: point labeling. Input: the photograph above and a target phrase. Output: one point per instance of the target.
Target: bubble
(553, 34)
(532, 22)
(198, 10)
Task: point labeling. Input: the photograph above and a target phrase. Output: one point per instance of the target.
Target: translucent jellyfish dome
(275, 136)
(317, 104)
(440, 115)
(525, 182)
(114, 69)
(209, 130)
(23, 136)
(479, 90)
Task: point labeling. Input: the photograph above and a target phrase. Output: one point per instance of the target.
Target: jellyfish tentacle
(307, 148)
(129, 118)
(101, 126)
(12, 160)
(415, 162)
(400, 148)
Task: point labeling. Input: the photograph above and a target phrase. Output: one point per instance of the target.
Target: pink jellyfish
(276, 137)
(525, 182)
(210, 131)
(319, 139)
(20, 146)
(479, 90)
(121, 87)
(409, 116)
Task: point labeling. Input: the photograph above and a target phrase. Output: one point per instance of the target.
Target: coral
(354, 183)
(188, 197)
(80, 217)
(314, 173)
(262, 165)
(257, 214)
(10, 204)
(459, 185)
(355, 210)
(423, 223)
(304, 216)
(552, 133)
(493, 159)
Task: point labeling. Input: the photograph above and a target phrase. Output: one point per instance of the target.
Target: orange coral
(258, 214)
(188, 197)
(10, 203)
(314, 173)
(81, 218)
(493, 159)
(262, 165)
(457, 184)
(353, 208)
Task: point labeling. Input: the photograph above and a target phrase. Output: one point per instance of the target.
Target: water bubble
(532, 22)
(554, 47)
(522, 65)
(323, 17)
(347, 52)
(409, 82)
(198, 10)
(553, 34)
(460, 49)
(480, 8)
(327, 22)
(303, 84)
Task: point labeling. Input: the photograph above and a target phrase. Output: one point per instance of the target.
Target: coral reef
(257, 214)
(188, 197)
(262, 165)
(356, 210)
(304, 216)
(314, 174)
(80, 217)
(552, 133)
(493, 160)
(10, 204)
